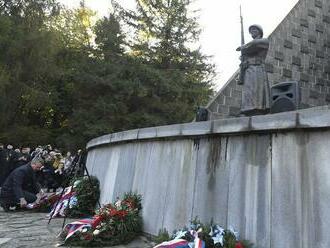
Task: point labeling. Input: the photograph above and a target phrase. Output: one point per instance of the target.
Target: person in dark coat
(2, 164)
(22, 158)
(21, 187)
(8, 163)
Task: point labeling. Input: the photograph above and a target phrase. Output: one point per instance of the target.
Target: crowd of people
(25, 172)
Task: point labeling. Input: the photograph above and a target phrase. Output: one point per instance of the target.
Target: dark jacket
(2, 166)
(21, 159)
(21, 179)
(8, 162)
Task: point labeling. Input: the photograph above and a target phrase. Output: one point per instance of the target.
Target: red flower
(129, 203)
(113, 212)
(118, 213)
(122, 214)
(239, 245)
(97, 220)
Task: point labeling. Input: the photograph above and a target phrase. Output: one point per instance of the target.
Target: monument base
(266, 176)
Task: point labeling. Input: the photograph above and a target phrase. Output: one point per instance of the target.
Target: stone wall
(299, 51)
(266, 176)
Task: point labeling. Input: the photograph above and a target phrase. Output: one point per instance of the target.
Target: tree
(74, 27)
(65, 79)
(109, 37)
(166, 35)
(27, 61)
(99, 86)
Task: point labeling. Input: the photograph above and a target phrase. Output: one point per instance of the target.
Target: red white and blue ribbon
(77, 226)
(176, 243)
(59, 208)
(217, 234)
(199, 243)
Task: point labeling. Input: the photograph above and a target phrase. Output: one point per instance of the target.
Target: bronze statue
(253, 77)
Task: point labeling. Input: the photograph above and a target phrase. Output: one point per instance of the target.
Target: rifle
(242, 69)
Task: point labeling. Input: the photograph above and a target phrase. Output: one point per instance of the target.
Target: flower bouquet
(113, 224)
(205, 236)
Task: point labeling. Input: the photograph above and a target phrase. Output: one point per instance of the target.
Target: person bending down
(21, 187)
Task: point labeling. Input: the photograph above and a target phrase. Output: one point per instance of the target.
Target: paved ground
(28, 229)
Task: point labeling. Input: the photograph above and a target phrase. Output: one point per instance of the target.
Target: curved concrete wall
(267, 176)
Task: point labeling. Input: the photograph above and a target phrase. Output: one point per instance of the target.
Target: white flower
(118, 204)
(217, 233)
(236, 234)
(179, 234)
(96, 232)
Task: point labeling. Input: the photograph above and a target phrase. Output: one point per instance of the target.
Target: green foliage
(74, 27)
(162, 236)
(109, 38)
(65, 79)
(87, 193)
(204, 230)
(166, 33)
(119, 223)
(229, 239)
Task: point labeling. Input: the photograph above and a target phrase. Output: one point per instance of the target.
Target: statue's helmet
(257, 27)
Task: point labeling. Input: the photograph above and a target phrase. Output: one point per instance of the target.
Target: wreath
(87, 194)
(113, 224)
(201, 235)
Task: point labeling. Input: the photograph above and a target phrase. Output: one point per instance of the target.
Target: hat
(38, 160)
(258, 27)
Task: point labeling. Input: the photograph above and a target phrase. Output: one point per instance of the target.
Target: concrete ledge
(125, 136)
(197, 128)
(231, 125)
(168, 131)
(315, 119)
(147, 133)
(313, 109)
(318, 117)
(4, 240)
(286, 120)
(105, 139)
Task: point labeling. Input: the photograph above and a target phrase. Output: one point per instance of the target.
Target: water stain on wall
(217, 147)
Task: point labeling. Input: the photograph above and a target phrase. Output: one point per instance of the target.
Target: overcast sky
(220, 22)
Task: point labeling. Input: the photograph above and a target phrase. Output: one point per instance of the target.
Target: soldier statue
(253, 76)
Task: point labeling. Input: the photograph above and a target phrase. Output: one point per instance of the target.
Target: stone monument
(256, 90)
(299, 50)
